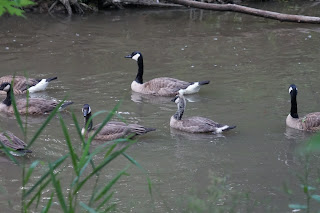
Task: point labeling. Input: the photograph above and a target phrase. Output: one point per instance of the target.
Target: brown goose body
(194, 124)
(163, 86)
(21, 83)
(310, 122)
(113, 129)
(11, 141)
(34, 106)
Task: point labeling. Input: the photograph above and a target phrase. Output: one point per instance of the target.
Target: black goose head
(135, 56)
(5, 87)
(86, 110)
(293, 90)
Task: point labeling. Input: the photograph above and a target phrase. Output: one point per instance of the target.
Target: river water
(250, 62)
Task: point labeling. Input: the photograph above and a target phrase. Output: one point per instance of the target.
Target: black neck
(294, 107)
(86, 121)
(139, 78)
(7, 101)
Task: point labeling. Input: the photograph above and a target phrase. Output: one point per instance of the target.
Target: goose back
(21, 83)
(310, 122)
(163, 86)
(13, 142)
(114, 130)
(195, 124)
(36, 106)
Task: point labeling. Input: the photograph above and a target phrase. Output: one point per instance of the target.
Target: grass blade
(51, 115)
(7, 152)
(38, 193)
(105, 201)
(57, 186)
(105, 121)
(29, 172)
(110, 184)
(134, 162)
(47, 207)
(89, 209)
(14, 106)
(71, 151)
(55, 165)
(101, 166)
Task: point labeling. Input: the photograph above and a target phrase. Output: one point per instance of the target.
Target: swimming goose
(113, 129)
(161, 86)
(15, 144)
(36, 106)
(194, 124)
(310, 122)
(22, 84)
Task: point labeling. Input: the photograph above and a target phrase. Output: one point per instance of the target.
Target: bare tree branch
(248, 10)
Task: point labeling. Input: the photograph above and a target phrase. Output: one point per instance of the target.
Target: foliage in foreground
(310, 177)
(84, 169)
(13, 7)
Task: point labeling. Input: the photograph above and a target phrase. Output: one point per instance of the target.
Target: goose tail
(65, 104)
(224, 128)
(20, 152)
(51, 79)
(204, 82)
(140, 130)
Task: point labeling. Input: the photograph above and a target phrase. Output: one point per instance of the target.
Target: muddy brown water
(250, 62)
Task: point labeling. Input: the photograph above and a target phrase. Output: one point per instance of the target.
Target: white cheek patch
(136, 56)
(89, 111)
(7, 88)
(290, 89)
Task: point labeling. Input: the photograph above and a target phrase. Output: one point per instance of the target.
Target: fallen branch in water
(249, 11)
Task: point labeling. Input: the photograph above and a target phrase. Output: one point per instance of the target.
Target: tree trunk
(248, 10)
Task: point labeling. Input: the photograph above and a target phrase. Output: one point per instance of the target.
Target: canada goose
(36, 106)
(113, 129)
(310, 122)
(194, 124)
(15, 144)
(161, 86)
(22, 84)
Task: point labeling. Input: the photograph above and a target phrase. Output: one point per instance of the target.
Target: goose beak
(85, 112)
(128, 56)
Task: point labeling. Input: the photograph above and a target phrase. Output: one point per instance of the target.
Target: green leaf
(106, 189)
(29, 172)
(297, 206)
(57, 186)
(43, 177)
(105, 201)
(89, 209)
(101, 166)
(14, 106)
(71, 151)
(134, 162)
(38, 193)
(6, 150)
(47, 207)
(51, 115)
